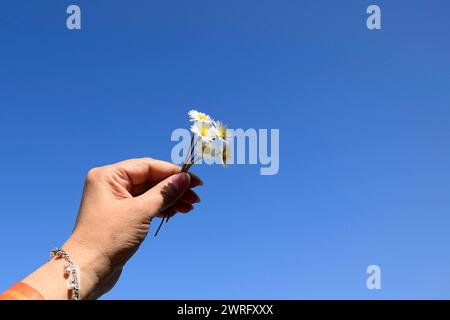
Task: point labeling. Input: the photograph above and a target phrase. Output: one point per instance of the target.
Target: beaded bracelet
(70, 270)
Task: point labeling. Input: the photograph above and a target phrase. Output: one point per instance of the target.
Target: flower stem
(184, 168)
(159, 227)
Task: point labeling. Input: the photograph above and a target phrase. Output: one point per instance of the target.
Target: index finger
(148, 170)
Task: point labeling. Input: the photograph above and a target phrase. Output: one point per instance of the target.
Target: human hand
(118, 204)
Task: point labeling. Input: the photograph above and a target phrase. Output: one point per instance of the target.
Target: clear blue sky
(364, 119)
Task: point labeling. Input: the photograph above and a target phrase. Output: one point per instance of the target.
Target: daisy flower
(196, 116)
(203, 131)
(206, 149)
(227, 155)
(220, 130)
(206, 134)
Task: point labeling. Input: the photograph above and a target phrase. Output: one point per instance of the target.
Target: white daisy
(226, 155)
(203, 131)
(206, 149)
(220, 130)
(194, 115)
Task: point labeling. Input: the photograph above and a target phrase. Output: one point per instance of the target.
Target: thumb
(165, 193)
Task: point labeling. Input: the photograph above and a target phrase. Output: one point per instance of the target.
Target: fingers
(178, 207)
(143, 170)
(167, 213)
(157, 185)
(165, 193)
(190, 197)
(141, 174)
(195, 180)
(183, 205)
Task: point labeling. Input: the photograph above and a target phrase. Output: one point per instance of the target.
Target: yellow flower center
(221, 133)
(203, 131)
(201, 116)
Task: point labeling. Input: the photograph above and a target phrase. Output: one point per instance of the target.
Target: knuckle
(93, 174)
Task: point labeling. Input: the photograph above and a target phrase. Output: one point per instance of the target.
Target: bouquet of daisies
(209, 139)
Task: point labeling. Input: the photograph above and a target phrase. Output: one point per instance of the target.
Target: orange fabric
(21, 291)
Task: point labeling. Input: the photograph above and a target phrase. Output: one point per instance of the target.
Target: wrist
(93, 265)
(93, 271)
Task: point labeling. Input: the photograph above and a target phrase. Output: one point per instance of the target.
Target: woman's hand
(119, 202)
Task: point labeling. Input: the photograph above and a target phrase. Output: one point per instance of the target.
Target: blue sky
(364, 123)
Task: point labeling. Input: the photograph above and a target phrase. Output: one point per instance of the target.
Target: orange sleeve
(21, 291)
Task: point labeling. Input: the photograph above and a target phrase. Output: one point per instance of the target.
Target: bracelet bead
(70, 270)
